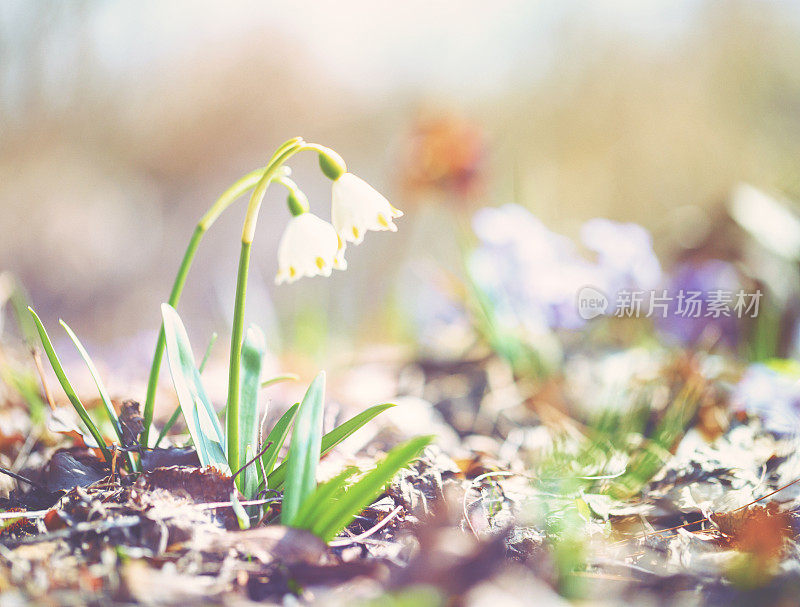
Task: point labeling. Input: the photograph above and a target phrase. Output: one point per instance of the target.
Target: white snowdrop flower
(358, 207)
(309, 247)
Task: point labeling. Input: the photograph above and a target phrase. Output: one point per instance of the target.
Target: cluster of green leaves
(621, 448)
(325, 509)
(619, 451)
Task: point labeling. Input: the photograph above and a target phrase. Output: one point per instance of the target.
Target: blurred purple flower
(705, 279)
(530, 274)
(533, 275)
(625, 255)
(771, 395)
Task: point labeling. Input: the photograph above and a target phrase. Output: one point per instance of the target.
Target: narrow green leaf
(210, 345)
(250, 482)
(170, 422)
(242, 516)
(276, 479)
(253, 350)
(272, 445)
(304, 450)
(200, 416)
(260, 441)
(212, 449)
(340, 512)
(104, 397)
(274, 380)
(276, 438)
(67, 387)
(174, 417)
(320, 500)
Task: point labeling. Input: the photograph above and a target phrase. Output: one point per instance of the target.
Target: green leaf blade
(318, 501)
(55, 362)
(278, 379)
(176, 413)
(101, 388)
(304, 450)
(278, 476)
(339, 513)
(199, 415)
(253, 350)
(276, 438)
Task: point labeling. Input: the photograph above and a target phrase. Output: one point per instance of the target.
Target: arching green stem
(241, 186)
(237, 331)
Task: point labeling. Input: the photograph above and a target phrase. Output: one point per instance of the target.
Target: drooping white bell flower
(358, 207)
(309, 247)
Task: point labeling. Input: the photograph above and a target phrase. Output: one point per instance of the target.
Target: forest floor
(524, 498)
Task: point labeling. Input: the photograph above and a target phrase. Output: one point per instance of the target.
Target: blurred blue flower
(771, 394)
(685, 323)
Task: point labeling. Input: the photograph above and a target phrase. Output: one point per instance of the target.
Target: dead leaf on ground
(171, 456)
(202, 485)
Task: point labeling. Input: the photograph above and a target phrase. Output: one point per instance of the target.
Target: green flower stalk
(243, 185)
(289, 149)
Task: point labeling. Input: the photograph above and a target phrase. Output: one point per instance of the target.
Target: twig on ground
(362, 536)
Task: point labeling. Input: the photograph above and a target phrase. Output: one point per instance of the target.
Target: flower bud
(331, 163)
(297, 202)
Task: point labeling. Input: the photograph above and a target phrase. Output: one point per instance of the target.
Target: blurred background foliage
(120, 122)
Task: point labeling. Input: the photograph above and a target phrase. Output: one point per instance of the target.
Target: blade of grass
(170, 422)
(338, 514)
(276, 438)
(214, 453)
(174, 417)
(211, 342)
(274, 380)
(208, 437)
(304, 450)
(264, 446)
(250, 484)
(67, 387)
(272, 445)
(101, 388)
(253, 350)
(276, 479)
(321, 498)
